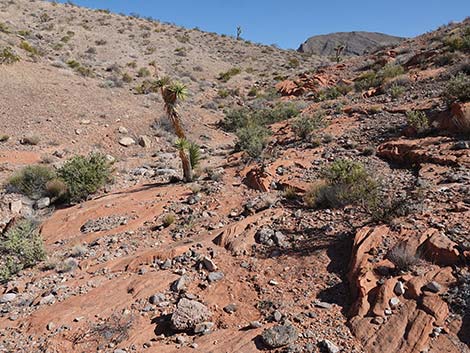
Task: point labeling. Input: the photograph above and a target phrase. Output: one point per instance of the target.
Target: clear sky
(289, 23)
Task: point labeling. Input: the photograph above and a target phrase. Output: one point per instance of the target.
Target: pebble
(394, 302)
(8, 297)
(127, 141)
(399, 288)
(231, 308)
(322, 305)
(215, 276)
(255, 324)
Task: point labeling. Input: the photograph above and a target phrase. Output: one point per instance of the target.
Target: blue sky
(289, 23)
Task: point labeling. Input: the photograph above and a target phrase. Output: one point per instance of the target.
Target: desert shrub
(84, 71)
(290, 193)
(20, 248)
(403, 257)
(305, 125)
(367, 80)
(32, 140)
(29, 48)
(445, 59)
(459, 41)
(418, 120)
(396, 91)
(73, 64)
(346, 182)
(84, 175)
(32, 180)
(4, 138)
(226, 76)
(8, 56)
(239, 118)
(168, 219)
(252, 140)
(223, 93)
(253, 92)
(372, 79)
(126, 77)
(56, 189)
(143, 72)
(314, 194)
(4, 28)
(113, 330)
(457, 89)
(391, 71)
(293, 63)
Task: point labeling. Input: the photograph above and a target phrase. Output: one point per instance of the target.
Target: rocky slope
(248, 264)
(355, 43)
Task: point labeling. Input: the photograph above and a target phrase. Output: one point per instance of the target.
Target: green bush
(367, 80)
(418, 120)
(347, 182)
(226, 76)
(29, 48)
(252, 139)
(457, 89)
(239, 118)
(396, 91)
(143, 72)
(21, 247)
(32, 180)
(391, 71)
(372, 79)
(7, 56)
(84, 175)
(305, 125)
(459, 41)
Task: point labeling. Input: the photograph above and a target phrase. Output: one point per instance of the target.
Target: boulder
(127, 141)
(279, 336)
(188, 314)
(441, 250)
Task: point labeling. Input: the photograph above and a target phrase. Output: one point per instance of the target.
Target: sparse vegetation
(4, 28)
(403, 257)
(396, 91)
(143, 72)
(373, 79)
(459, 41)
(418, 120)
(305, 125)
(226, 76)
(8, 56)
(21, 247)
(239, 118)
(346, 182)
(457, 89)
(29, 48)
(252, 139)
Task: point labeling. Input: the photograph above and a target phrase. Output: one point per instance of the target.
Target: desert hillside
(352, 43)
(170, 190)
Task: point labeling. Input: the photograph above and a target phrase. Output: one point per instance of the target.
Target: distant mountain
(356, 43)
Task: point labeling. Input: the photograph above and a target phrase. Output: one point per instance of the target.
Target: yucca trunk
(187, 171)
